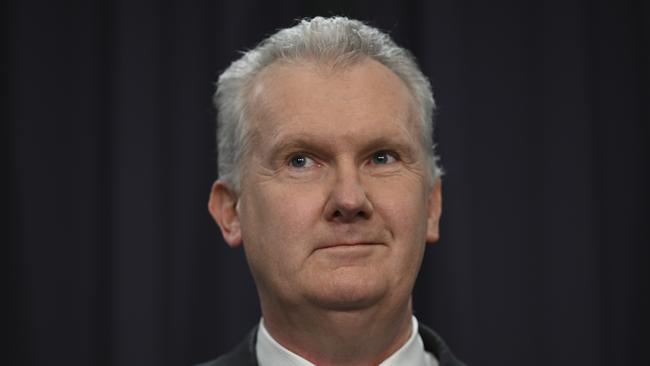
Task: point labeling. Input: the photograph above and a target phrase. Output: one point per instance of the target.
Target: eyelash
(390, 154)
(298, 155)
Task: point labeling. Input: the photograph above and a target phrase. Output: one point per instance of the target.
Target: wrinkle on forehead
(352, 138)
(271, 88)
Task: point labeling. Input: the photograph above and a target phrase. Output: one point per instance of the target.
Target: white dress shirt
(272, 353)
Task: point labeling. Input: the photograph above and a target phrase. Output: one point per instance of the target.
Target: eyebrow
(319, 145)
(297, 141)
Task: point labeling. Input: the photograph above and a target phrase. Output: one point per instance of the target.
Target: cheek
(403, 207)
(275, 219)
(404, 213)
(290, 207)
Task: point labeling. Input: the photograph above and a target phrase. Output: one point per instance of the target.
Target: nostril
(348, 202)
(350, 215)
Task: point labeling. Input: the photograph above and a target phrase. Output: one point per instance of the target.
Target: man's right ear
(223, 208)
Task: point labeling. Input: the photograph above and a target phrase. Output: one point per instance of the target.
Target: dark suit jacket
(244, 353)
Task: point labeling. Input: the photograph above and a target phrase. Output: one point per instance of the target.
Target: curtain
(542, 124)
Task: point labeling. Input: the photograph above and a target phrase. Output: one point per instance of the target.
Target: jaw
(353, 336)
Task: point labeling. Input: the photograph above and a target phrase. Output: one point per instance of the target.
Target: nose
(347, 201)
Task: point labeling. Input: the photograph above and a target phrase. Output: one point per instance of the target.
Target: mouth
(343, 246)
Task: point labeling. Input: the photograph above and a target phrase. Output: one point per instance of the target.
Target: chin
(348, 294)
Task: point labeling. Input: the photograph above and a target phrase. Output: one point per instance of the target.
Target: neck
(351, 338)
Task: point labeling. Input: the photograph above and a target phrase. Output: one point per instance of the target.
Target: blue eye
(383, 157)
(300, 161)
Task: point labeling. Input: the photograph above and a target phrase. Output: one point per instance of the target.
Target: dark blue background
(543, 127)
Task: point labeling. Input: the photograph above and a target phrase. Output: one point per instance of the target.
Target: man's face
(335, 205)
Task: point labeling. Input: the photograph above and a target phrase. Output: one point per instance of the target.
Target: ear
(223, 208)
(434, 203)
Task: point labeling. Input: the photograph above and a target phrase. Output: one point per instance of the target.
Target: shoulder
(435, 344)
(242, 355)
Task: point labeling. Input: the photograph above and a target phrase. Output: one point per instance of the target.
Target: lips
(347, 244)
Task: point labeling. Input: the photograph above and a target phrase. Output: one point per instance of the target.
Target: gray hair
(339, 40)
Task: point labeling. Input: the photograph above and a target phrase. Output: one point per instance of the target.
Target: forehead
(302, 96)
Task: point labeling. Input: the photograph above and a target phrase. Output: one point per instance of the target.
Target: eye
(383, 157)
(301, 161)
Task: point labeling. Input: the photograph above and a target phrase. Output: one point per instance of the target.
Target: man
(328, 179)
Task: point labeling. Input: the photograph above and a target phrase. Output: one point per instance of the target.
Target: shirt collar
(270, 352)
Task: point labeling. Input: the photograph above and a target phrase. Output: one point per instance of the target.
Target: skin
(334, 209)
